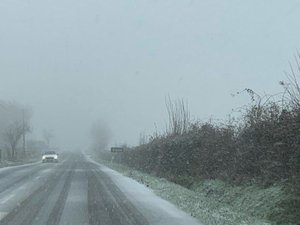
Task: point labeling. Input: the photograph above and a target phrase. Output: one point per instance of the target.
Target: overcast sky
(77, 61)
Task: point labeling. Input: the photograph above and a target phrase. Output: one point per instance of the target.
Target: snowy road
(78, 191)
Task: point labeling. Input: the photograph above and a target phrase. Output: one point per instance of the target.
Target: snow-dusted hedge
(265, 147)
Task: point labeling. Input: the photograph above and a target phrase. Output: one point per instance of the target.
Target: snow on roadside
(155, 209)
(208, 210)
(8, 165)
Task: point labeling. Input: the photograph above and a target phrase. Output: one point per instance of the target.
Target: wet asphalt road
(71, 192)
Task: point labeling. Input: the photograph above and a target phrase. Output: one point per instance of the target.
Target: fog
(78, 62)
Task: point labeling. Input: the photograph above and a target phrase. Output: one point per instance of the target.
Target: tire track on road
(56, 213)
(19, 179)
(27, 210)
(107, 205)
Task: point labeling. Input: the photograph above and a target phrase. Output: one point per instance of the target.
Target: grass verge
(216, 202)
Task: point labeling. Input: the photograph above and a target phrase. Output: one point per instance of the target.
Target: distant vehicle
(50, 156)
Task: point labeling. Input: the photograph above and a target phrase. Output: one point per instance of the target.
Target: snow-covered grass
(6, 163)
(212, 201)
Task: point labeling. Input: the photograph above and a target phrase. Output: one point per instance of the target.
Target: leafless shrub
(292, 86)
(179, 116)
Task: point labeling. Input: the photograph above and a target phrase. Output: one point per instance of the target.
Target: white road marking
(76, 201)
(6, 199)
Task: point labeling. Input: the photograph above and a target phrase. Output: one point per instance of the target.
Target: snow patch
(156, 210)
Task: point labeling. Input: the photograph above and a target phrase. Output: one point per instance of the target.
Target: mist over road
(74, 191)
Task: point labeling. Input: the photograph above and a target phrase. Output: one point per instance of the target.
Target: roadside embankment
(216, 202)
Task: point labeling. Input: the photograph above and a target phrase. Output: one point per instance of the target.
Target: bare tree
(100, 134)
(179, 116)
(143, 139)
(292, 85)
(13, 134)
(14, 124)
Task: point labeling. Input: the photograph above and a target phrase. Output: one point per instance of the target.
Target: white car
(50, 156)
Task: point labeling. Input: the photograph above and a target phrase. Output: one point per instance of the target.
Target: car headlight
(44, 157)
(55, 157)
